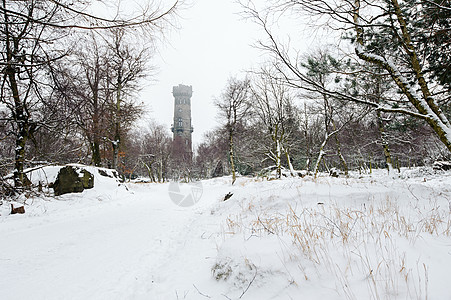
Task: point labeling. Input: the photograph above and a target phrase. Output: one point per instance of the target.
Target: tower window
(180, 122)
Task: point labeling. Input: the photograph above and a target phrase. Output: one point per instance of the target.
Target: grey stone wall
(182, 128)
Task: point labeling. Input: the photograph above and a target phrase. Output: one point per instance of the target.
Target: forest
(380, 99)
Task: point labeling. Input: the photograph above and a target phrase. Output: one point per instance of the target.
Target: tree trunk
(95, 144)
(340, 155)
(380, 125)
(150, 171)
(22, 129)
(117, 125)
(115, 146)
(19, 112)
(231, 156)
(96, 157)
(278, 160)
(307, 140)
(160, 171)
(287, 154)
(384, 141)
(321, 154)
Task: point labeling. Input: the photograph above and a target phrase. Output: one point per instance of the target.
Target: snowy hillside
(363, 237)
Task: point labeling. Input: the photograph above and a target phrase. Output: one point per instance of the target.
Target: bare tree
(376, 88)
(126, 66)
(320, 68)
(233, 107)
(157, 143)
(212, 152)
(92, 93)
(270, 99)
(26, 50)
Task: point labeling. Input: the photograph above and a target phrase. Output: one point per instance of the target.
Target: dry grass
(354, 243)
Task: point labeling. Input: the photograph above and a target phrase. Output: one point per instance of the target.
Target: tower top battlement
(182, 90)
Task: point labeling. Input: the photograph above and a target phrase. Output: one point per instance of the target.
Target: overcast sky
(212, 44)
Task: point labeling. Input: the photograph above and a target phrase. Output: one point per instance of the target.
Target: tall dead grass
(368, 243)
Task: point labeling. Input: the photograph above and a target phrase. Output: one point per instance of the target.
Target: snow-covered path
(131, 247)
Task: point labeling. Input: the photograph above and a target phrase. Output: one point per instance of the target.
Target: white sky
(212, 44)
(215, 42)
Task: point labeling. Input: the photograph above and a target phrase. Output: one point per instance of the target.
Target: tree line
(378, 98)
(70, 74)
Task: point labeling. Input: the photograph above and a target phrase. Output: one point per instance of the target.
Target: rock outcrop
(72, 180)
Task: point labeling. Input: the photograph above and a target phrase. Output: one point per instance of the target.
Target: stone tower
(182, 129)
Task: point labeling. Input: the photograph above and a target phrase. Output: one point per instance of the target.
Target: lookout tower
(181, 128)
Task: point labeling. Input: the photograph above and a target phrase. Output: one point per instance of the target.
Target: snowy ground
(368, 237)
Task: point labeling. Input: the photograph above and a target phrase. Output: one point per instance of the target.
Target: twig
(411, 192)
(264, 226)
(200, 291)
(244, 292)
